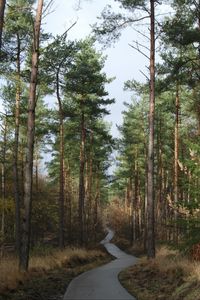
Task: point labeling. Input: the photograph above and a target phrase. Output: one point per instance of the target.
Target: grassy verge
(169, 276)
(48, 275)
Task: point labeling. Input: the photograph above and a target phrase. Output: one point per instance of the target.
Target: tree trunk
(96, 205)
(68, 190)
(3, 185)
(81, 180)
(150, 180)
(2, 9)
(61, 180)
(176, 155)
(22, 170)
(89, 189)
(26, 221)
(36, 167)
(16, 150)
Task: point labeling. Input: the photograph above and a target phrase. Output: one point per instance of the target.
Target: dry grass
(169, 276)
(195, 270)
(11, 277)
(170, 260)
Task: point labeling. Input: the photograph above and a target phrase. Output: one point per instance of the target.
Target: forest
(54, 99)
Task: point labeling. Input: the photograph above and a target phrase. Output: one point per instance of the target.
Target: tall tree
(26, 224)
(17, 35)
(150, 178)
(56, 61)
(86, 84)
(111, 27)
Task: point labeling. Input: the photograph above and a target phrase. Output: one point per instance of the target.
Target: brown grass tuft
(11, 277)
(169, 276)
(171, 260)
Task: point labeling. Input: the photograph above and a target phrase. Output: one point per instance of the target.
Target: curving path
(102, 283)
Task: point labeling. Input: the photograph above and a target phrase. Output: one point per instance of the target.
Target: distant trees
(70, 71)
(176, 134)
(157, 178)
(85, 83)
(17, 35)
(56, 60)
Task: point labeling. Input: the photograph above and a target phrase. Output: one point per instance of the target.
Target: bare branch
(144, 35)
(134, 20)
(138, 49)
(141, 45)
(64, 35)
(147, 78)
(47, 8)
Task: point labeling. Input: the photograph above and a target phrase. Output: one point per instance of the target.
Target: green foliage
(190, 227)
(132, 4)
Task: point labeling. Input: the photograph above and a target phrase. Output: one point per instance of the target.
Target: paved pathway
(102, 283)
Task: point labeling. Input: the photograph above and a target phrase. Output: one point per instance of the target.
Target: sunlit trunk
(28, 181)
(150, 180)
(16, 150)
(61, 154)
(81, 180)
(3, 185)
(176, 156)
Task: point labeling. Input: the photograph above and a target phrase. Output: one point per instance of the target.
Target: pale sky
(123, 62)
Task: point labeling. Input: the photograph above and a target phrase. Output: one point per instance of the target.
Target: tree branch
(64, 35)
(137, 48)
(49, 5)
(147, 78)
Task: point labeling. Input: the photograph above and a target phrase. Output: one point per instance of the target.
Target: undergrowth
(169, 276)
(11, 278)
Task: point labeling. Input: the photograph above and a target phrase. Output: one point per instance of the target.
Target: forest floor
(170, 276)
(49, 275)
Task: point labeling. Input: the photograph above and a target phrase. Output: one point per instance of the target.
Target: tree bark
(61, 180)
(16, 150)
(3, 185)
(81, 180)
(150, 179)
(89, 188)
(176, 156)
(2, 10)
(26, 221)
(96, 204)
(36, 166)
(68, 190)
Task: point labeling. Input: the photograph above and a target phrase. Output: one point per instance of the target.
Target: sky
(122, 62)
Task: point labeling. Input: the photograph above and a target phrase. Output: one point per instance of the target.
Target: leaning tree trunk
(81, 180)
(16, 150)
(2, 9)
(26, 221)
(150, 177)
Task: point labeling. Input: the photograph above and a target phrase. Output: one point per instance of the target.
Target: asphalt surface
(102, 283)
